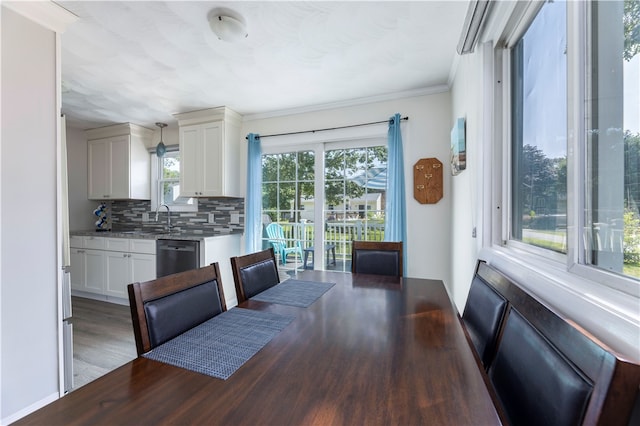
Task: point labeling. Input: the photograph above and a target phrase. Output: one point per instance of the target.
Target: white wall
(425, 135)
(466, 188)
(80, 208)
(28, 262)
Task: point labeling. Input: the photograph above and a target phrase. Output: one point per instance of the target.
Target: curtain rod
(329, 128)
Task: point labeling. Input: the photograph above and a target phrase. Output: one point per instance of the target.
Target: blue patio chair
(279, 243)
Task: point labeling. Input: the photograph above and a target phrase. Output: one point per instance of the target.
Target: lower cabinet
(126, 268)
(108, 271)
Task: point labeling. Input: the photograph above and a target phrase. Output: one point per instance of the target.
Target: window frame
(156, 187)
(356, 137)
(577, 66)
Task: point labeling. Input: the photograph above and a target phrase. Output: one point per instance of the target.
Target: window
(612, 193)
(539, 132)
(575, 136)
(349, 180)
(355, 188)
(168, 184)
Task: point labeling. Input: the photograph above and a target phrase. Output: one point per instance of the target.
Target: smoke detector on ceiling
(227, 24)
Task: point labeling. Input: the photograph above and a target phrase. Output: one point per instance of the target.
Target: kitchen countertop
(154, 234)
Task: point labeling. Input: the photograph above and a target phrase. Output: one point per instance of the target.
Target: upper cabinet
(119, 163)
(210, 153)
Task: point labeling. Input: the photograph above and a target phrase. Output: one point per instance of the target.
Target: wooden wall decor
(427, 181)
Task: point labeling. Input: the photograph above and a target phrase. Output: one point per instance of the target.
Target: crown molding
(432, 90)
(46, 13)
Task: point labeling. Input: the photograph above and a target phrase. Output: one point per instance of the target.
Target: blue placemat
(219, 346)
(294, 292)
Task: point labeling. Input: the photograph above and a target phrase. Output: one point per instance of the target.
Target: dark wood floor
(102, 339)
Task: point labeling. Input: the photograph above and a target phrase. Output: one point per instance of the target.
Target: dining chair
(482, 318)
(163, 308)
(376, 257)
(279, 243)
(254, 273)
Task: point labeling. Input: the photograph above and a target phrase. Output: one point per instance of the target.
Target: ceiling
(142, 61)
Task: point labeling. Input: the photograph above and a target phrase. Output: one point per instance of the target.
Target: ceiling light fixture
(227, 25)
(160, 148)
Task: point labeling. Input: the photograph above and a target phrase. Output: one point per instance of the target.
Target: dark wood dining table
(371, 351)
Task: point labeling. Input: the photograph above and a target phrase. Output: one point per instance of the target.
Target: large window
(575, 135)
(326, 196)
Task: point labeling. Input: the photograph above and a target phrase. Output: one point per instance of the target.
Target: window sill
(608, 314)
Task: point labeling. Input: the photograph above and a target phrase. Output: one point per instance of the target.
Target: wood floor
(102, 339)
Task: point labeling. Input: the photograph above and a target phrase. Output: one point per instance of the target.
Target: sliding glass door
(349, 178)
(354, 199)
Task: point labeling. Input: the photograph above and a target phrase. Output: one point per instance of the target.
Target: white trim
(432, 90)
(60, 238)
(30, 409)
(46, 13)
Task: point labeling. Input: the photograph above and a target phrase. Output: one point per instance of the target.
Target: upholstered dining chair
(482, 317)
(254, 273)
(163, 308)
(377, 258)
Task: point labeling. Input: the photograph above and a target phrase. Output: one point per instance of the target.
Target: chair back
(276, 236)
(163, 308)
(254, 273)
(377, 258)
(482, 318)
(547, 388)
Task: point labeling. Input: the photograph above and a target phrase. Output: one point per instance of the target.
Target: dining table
(371, 350)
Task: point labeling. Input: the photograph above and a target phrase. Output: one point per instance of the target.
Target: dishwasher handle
(177, 245)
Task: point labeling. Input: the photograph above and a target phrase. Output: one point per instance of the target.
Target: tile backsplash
(228, 216)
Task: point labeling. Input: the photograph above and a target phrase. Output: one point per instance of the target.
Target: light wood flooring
(102, 339)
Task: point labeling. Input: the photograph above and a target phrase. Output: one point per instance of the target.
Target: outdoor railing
(339, 233)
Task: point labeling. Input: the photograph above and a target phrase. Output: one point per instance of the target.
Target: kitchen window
(573, 138)
(167, 182)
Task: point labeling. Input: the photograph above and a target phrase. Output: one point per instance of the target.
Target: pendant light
(160, 148)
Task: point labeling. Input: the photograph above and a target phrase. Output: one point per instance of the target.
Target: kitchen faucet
(168, 215)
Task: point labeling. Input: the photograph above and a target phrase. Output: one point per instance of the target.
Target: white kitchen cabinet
(87, 265)
(119, 165)
(126, 268)
(94, 271)
(117, 273)
(78, 269)
(108, 270)
(209, 153)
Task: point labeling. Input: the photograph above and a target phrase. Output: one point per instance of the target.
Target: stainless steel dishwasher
(173, 256)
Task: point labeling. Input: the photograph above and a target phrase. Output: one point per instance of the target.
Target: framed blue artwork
(458, 147)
